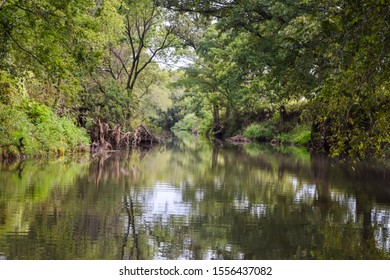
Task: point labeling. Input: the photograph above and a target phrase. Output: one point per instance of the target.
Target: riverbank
(29, 129)
(296, 124)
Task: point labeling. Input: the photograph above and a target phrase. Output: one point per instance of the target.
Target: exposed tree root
(105, 138)
(239, 139)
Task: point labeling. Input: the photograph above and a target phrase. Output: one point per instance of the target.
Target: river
(192, 199)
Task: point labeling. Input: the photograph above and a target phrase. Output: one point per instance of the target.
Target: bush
(30, 128)
(190, 122)
(259, 131)
(300, 135)
(74, 136)
(206, 124)
(34, 129)
(14, 128)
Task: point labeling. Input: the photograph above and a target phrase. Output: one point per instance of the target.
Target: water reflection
(192, 199)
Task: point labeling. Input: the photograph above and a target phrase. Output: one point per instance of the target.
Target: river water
(192, 199)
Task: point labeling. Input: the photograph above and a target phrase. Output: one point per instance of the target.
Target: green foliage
(99, 59)
(190, 122)
(49, 37)
(14, 125)
(260, 131)
(327, 53)
(300, 135)
(206, 123)
(34, 129)
(55, 134)
(110, 102)
(353, 126)
(7, 88)
(76, 138)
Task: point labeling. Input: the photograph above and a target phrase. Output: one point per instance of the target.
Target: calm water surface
(190, 199)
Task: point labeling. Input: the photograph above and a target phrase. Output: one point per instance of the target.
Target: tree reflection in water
(194, 200)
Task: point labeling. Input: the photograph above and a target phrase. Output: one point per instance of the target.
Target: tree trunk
(215, 115)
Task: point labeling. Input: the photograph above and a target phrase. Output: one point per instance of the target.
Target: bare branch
(110, 71)
(130, 37)
(123, 63)
(165, 44)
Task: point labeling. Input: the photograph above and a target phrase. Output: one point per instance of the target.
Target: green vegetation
(327, 53)
(301, 135)
(289, 70)
(43, 133)
(29, 128)
(292, 129)
(188, 123)
(69, 68)
(283, 133)
(261, 132)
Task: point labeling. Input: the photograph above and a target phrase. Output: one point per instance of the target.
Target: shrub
(190, 122)
(75, 136)
(206, 124)
(34, 129)
(300, 135)
(259, 131)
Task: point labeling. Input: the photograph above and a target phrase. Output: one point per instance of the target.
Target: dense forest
(109, 74)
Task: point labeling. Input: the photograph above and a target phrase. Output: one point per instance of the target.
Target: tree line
(74, 73)
(310, 72)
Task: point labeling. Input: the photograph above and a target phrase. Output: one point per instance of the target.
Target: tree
(147, 34)
(44, 46)
(352, 102)
(210, 8)
(326, 52)
(49, 44)
(142, 37)
(45, 36)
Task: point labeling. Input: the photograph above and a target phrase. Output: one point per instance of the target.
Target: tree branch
(26, 51)
(123, 63)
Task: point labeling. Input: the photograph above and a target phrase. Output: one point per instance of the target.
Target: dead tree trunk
(117, 136)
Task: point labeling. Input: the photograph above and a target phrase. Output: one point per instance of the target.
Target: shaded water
(190, 199)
